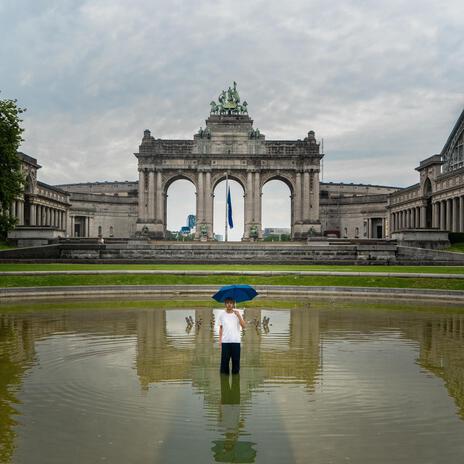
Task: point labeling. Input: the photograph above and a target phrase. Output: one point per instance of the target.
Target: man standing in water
(230, 322)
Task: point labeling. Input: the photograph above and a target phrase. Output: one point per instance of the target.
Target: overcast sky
(380, 81)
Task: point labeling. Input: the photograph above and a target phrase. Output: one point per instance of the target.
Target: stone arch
(169, 180)
(427, 188)
(288, 181)
(215, 180)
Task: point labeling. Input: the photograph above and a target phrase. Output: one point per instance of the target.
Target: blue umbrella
(236, 292)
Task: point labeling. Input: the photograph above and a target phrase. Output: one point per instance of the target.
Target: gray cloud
(381, 82)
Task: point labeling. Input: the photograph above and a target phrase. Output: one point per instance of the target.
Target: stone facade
(41, 211)
(103, 209)
(354, 211)
(437, 200)
(229, 147)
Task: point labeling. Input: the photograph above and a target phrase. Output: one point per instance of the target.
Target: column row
(44, 216)
(411, 218)
(449, 214)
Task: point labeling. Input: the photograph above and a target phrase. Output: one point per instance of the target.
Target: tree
(11, 178)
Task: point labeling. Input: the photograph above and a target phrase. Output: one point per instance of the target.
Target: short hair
(229, 299)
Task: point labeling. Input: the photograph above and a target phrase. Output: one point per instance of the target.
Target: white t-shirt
(230, 327)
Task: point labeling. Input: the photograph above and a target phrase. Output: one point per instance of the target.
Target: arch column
(442, 215)
(141, 197)
(151, 196)
(208, 204)
(297, 205)
(249, 215)
(257, 204)
(200, 197)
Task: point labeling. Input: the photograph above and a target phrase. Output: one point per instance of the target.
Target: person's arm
(220, 335)
(240, 318)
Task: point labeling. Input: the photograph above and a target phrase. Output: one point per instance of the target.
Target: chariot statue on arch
(229, 103)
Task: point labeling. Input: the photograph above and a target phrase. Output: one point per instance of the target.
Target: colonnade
(46, 216)
(446, 214)
(17, 210)
(409, 218)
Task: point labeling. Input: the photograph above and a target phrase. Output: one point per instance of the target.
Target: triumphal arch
(229, 146)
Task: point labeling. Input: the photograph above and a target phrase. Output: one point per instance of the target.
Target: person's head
(229, 304)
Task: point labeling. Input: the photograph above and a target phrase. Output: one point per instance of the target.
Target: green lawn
(456, 247)
(4, 246)
(60, 280)
(122, 304)
(235, 267)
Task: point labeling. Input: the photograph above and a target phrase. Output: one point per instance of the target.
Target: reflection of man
(230, 449)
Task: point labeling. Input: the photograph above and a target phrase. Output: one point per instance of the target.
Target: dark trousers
(230, 351)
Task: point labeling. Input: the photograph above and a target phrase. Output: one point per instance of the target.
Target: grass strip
(231, 267)
(342, 281)
(336, 304)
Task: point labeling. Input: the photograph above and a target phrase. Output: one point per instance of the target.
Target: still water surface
(328, 384)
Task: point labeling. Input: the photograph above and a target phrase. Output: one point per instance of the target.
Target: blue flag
(229, 210)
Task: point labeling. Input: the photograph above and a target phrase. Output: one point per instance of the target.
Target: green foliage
(456, 237)
(11, 178)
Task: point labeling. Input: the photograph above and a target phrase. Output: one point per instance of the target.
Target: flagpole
(227, 190)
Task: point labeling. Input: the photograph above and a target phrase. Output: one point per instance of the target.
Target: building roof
(28, 159)
(453, 132)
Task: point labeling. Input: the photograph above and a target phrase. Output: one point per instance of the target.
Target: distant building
(276, 231)
(191, 221)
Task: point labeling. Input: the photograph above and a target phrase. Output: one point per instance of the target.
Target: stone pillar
(435, 215)
(306, 194)
(72, 225)
(423, 217)
(208, 204)
(88, 226)
(141, 197)
(248, 204)
(369, 228)
(21, 212)
(412, 224)
(455, 224)
(442, 215)
(449, 215)
(32, 214)
(151, 195)
(315, 196)
(298, 202)
(257, 202)
(200, 199)
(461, 214)
(13, 209)
(160, 201)
(392, 222)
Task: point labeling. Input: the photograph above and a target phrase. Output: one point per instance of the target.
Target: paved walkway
(240, 273)
(278, 291)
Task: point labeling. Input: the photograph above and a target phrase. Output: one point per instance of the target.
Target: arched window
(356, 232)
(111, 231)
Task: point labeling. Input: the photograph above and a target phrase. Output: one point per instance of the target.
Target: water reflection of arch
(161, 357)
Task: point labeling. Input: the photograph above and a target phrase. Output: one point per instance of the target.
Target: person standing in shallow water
(230, 320)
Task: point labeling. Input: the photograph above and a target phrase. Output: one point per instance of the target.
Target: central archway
(237, 194)
(277, 210)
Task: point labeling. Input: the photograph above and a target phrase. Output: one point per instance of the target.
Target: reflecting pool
(327, 383)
